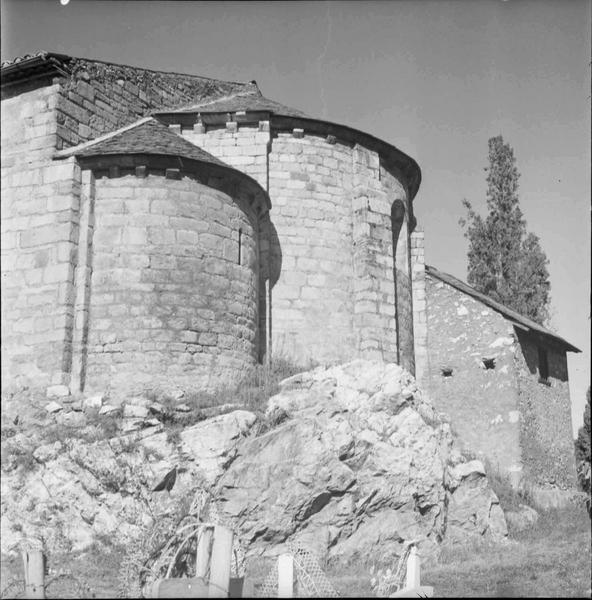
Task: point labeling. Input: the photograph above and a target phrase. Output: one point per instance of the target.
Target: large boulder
(360, 462)
(473, 507)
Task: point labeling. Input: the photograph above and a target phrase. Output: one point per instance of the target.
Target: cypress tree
(506, 262)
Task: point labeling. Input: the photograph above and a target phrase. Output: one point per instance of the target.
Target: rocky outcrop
(348, 459)
(360, 462)
(73, 492)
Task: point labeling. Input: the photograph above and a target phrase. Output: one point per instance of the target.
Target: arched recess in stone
(403, 291)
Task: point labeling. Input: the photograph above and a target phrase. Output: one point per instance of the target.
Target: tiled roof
(147, 136)
(516, 318)
(249, 101)
(19, 59)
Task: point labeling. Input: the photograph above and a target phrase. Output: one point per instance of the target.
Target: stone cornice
(220, 177)
(391, 155)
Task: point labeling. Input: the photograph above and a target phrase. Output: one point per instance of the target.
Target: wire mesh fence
(310, 579)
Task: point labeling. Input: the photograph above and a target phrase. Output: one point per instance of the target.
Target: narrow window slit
(240, 241)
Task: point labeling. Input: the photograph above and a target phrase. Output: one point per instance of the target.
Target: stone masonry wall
(331, 288)
(329, 282)
(420, 327)
(40, 198)
(169, 298)
(39, 242)
(380, 261)
(401, 229)
(166, 270)
(97, 97)
(245, 147)
(546, 428)
(482, 404)
(312, 300)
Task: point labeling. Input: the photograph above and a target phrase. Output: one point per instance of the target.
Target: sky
(436, 78)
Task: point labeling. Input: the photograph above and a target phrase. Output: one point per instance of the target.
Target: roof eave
(103, 159)
(502, 310)
(411, 168)
(46, 64)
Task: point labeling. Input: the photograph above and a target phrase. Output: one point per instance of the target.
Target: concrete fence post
(34, 569)
(285, 576)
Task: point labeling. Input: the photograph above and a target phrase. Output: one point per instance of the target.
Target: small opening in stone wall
(543, 365)
(446, 371)
(488, 363)
(240, 245)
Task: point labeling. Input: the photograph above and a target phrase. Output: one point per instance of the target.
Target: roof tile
(250, 101)
(147, 137)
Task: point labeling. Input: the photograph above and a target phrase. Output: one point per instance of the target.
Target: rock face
(360, 462)
(353, 463)
(74, 492)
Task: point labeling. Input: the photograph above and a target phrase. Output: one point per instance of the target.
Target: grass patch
(510, 498)
(92, 574)
(252, 393)
(550, 559)
(98, 427)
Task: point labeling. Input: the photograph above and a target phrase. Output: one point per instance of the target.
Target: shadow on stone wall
(271, 274)
(275, 256)
(556, 360)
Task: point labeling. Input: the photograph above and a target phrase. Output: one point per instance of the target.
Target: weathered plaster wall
(546, 428)
(169, 299)
(482, 404)
(39, 206)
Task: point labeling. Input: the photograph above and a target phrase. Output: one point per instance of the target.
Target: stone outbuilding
(502, 380)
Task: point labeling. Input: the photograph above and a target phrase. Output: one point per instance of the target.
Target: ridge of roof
(192, 107)
(247, 100)
(47, 55)
(74, 150)
(512, 315)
